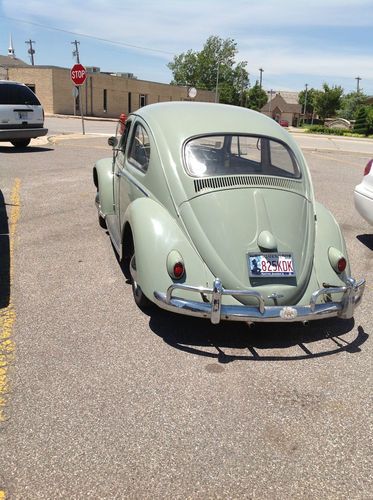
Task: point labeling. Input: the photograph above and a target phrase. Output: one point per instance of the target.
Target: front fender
(103, 180)
(155, 234)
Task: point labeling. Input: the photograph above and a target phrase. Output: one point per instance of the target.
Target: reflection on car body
(363, 194)
(211, 207)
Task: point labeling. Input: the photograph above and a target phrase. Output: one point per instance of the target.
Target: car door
(134, 168)
(113, 221)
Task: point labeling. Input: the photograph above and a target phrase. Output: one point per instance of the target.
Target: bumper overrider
(217, 311)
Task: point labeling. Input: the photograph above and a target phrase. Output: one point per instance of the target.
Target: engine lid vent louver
(211, 183)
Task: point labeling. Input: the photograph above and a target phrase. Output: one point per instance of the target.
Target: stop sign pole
(78, 76)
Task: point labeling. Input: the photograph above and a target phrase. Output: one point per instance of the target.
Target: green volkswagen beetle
(211, 209)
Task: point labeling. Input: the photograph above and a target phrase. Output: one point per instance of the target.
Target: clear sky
(294, 41)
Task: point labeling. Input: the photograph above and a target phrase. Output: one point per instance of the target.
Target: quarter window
(139, 154)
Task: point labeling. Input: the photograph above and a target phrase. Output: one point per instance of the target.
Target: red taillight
(342, 264)
(178, 270)
(368, 167)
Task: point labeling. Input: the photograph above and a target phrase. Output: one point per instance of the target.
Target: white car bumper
(363, 199)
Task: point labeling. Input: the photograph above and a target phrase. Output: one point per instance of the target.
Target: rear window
(17, 94)
(239, 154)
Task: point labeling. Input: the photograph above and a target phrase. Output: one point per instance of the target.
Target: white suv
(21, 114)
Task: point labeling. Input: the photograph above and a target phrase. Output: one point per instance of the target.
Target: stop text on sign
(78, 74)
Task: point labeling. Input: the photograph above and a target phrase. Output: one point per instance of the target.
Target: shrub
(361, 124)
(321, 129)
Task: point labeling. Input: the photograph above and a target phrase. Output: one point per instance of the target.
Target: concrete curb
(78, 117)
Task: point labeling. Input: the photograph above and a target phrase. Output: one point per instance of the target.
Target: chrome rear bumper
(216, 311)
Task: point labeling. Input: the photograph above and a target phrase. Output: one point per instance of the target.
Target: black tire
(102, 222)
(140, 298)
(20, 143)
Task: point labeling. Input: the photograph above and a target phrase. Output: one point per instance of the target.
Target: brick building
(103, 94)
(283, 106)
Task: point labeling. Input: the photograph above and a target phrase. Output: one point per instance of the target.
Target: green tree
(310, 104)
(370, 120)
(256, 97)
(328, 100)
(215, 63)
(362, 125)
(350, 104)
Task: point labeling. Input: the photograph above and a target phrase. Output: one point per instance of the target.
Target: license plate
(267, 265)
(22, 115)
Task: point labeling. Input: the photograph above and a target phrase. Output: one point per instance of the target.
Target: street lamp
(261, 77)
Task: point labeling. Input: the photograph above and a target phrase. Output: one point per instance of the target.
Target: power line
(123, 44)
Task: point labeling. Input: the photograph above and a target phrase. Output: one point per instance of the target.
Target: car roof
(184, 119)
(12, 83)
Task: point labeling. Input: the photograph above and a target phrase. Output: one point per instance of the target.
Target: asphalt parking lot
(100, 400)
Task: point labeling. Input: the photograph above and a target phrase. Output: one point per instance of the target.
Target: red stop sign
(78, 74)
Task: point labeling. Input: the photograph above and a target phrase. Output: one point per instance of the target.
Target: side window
(125, 134)
(139, 153)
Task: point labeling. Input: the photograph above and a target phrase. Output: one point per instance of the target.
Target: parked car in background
(211, 208)
(363, 194)
(284, 123)
(21, 114)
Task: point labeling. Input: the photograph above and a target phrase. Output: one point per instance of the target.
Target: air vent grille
(211, 183)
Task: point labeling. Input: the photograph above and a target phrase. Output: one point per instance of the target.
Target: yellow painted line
(8, 314)
(2, 495)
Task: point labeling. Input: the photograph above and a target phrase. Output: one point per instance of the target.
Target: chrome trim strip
(216, 311)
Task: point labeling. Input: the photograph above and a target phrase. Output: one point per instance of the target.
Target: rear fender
(103, 180)
(155, 234)
(328, 234)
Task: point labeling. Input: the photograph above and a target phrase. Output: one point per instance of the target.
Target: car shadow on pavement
(366, 239)
(28, 149)
(199, 337)
(4, 255)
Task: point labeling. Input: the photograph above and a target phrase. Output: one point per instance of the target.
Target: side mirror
(112, 141)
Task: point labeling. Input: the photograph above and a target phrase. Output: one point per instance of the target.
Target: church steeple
(11, 52)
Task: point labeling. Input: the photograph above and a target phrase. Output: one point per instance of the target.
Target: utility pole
(358, 83)
(31, 51)
(270, 103)
(305, 102)
(76, 54)
(76, 51)
(217, 82)
(260, 78)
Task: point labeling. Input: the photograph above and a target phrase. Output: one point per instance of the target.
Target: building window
(143, 100)
(105, 100)
(129, 102)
